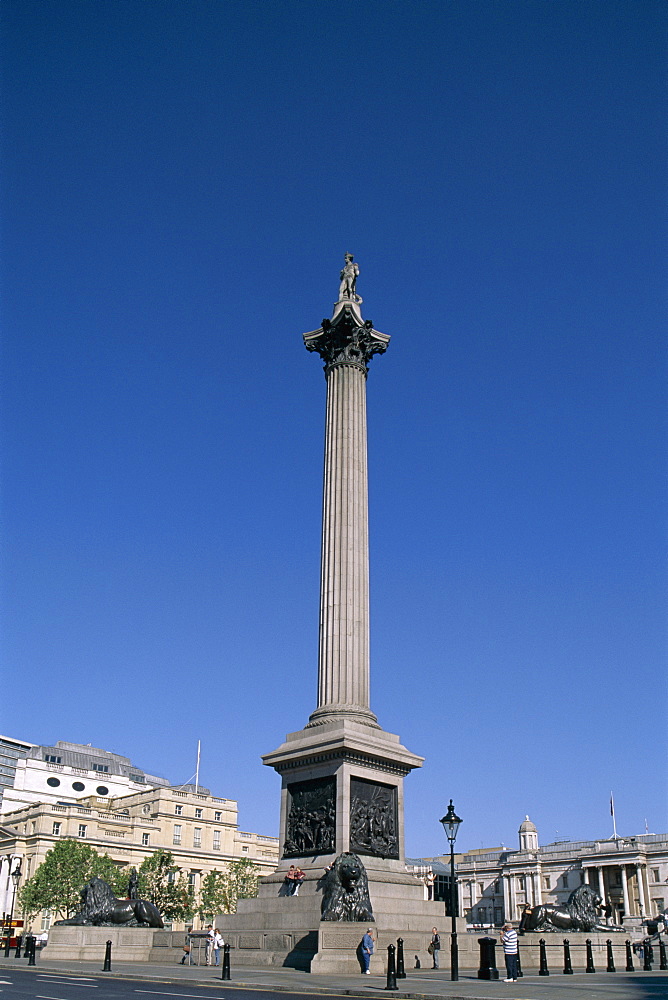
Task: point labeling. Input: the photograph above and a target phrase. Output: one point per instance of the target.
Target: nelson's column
(342, 774)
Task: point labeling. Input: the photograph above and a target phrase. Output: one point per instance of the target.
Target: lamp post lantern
(16, 878)
(451, 822)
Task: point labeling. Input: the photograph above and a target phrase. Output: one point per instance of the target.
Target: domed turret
(528, 836)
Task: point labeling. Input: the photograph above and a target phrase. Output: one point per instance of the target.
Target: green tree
(214, 895)
(221, 890)
(57, 883)
(166, 885)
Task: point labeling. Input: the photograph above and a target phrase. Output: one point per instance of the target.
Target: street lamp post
(451, 823)
(16, 878)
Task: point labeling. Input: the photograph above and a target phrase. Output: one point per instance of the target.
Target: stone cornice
(348, 756)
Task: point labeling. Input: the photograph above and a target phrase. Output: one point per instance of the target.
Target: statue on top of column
(348, 285)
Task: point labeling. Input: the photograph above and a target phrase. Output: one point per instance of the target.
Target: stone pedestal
(88, 944)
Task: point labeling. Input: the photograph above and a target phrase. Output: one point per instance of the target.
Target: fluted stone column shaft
(343, 663)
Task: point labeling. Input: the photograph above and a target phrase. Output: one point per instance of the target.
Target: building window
(244, 848)
(102, 790)
(565, 880)
(103, 768)
(145, 839)
(139, 778)
(655, 875)
(177, 834)
(56, 829)
(217, 816)
(53, 782)
(78, 786)
(46, 920)
(178, 810)
(198, 813)
(191, 879)
(546, 882)
(197, 837)
(51, 758)
(82, 830)
(216, 840)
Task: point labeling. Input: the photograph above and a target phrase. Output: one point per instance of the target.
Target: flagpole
(612, 813)
(197, 769)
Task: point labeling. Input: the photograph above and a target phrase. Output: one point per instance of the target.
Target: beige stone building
(200, 830)
(494, 884)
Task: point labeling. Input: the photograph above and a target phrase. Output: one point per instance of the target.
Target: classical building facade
(32, 772)
(200, 829)
(629, 873)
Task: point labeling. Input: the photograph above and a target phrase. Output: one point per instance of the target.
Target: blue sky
(180, 183)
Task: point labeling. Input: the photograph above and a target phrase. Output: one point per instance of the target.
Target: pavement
(419, 984)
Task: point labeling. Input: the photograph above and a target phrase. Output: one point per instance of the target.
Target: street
(28, 984)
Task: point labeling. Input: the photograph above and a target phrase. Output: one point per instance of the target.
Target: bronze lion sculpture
(346, 891)
(100, 908)
(581, 912)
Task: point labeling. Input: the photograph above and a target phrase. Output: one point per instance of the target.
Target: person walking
(509, 942)
(367, 950)
(435, 947)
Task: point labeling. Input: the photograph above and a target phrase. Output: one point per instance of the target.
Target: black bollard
(543, 971)
(611, 959)
(647, 964)
(662, 956)
(391, 969)
(568, 968)
(629, 958)
(488, 969)
(30, 948)
(226, 962)
(590, 957)
(520, 974)
(401, 972)
(19, 942)
(107, 958)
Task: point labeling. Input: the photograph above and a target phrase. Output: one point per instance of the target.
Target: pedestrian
(367, 950)
(435, 947)
(208, 948)
(297, 879)
(509, 942)
(429, 880)
(290, 881)
(217, 945)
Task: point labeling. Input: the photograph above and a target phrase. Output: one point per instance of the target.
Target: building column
(513, 898)
(625, 892)
(641, 891)
(601, 884)
(538, 890)
(346, 344)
